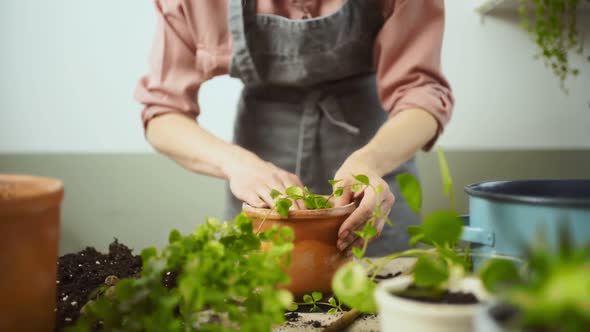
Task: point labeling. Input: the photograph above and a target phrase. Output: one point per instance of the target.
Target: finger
(349, 238)
(254, 200)
(346, 197)
(358, 243)
(263, 193)
(359, 216)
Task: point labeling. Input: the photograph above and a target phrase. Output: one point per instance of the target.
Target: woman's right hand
(251, 180)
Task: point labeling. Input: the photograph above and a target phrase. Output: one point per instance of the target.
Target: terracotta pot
(315, 257)
(29, 226)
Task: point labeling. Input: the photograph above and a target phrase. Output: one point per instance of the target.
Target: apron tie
(313, 106)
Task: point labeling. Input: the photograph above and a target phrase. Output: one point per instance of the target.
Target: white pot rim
(385, 298)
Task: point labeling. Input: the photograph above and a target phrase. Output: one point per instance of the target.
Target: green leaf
(332, 301)
(284, 297)
(429, 272)
(367, 232)
(283, 205)
(317, 296)
(410, 189)
(353, 288)
(445, 173)
(307, 299)
(333, 311)
(333, 182)
(357, 252)
(292, 307)
(498, 273)
(309, 202)
(274, 194)
(321, 202)
(379, 189)
(338, 192)
(443, 227)
(295, 192)
(174, 236)
(417, 235)
(148, 253)
(356, 188)
(362, 179)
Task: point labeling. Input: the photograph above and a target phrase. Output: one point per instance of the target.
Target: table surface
(362, 324)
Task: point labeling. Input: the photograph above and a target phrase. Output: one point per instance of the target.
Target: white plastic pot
(400, 314)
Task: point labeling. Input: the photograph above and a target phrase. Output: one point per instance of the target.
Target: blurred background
(68, 69)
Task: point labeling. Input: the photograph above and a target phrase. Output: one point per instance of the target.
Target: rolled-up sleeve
(173, 80)
(408, 61)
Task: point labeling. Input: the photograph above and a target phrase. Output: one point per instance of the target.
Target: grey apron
(310, 97)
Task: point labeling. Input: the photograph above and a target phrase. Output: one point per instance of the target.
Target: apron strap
(314, 104)
(241, 12)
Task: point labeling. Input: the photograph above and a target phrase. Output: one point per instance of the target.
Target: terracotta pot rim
(20, 193)
(317, 214)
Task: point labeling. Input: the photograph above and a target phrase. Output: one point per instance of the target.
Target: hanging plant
(553, 23)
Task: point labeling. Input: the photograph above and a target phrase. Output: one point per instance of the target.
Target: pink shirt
(193, 44)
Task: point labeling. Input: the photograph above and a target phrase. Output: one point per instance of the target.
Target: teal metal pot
(506, 217)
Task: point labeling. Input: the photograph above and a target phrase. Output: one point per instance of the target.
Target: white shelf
(487, 6)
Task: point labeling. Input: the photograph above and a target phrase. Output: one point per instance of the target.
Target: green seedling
(314, 300)
(225, 283)
(440, 262)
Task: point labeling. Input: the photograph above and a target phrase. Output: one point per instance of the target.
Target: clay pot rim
(317, 214)
(20, 193)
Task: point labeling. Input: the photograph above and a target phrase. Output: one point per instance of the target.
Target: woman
(332, 88)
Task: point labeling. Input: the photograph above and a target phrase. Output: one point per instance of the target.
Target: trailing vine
(553, 23)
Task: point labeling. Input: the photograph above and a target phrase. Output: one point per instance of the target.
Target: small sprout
(356, 188)
(357, 252)
(362, 179)
(317, 296)
(274, 194)
(294, 192)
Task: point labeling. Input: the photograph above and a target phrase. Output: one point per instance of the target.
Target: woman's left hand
(347, 239)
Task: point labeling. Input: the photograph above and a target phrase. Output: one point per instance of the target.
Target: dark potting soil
(79, 274)
(380, 278)
(445, 297)
(324, 308)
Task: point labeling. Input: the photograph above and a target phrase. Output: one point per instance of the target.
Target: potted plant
(553, 24)
(442, 291)
(552, 295)
(224, 282)
(315, 257)
(29, 221)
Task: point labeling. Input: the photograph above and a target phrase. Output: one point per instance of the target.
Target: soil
(445, 297)
(79, 274)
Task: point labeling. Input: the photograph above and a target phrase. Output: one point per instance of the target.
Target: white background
(68, 69)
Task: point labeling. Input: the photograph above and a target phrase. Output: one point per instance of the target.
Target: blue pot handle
(476, 234)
